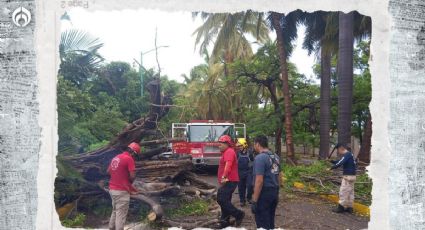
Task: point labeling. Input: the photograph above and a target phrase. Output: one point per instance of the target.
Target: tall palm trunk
(210, 115)
(325, 103)
(364, 153)
(285, 81)
(278, 143)
(345, 78)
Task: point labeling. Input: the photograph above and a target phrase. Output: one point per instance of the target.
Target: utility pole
(142, 69)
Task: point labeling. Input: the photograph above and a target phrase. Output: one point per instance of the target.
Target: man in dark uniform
(245, 162)
(346, 191)
(267, 176)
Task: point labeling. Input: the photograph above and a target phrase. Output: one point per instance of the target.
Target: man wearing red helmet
(228, 179)
(122, 171)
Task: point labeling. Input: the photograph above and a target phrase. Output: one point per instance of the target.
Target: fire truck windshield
(209, 133)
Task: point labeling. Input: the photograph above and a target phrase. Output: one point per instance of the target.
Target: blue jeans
(224, 199)
(266, 207)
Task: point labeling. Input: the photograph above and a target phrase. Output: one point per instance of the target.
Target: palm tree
(364, 153)
(345, 76)
(207, 92)
(322, 37)
(286, 31)
(228, 33)
(351, 25)
(78, 52)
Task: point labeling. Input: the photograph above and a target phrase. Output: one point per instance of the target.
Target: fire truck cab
(201, 139)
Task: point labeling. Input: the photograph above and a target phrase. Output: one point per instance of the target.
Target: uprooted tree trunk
(154, 176)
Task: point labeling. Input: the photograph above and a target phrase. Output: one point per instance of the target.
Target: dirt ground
(297, 211)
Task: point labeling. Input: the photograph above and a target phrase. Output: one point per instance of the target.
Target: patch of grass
(78, 221)
(190, 208)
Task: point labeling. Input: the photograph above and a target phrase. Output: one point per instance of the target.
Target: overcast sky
(126, 33)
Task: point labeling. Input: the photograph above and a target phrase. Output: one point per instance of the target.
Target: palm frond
(76, 40)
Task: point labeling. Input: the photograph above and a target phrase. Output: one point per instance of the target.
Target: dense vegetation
(97, 98)
(94, 109)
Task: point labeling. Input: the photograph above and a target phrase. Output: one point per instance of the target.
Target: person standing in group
(267, 180)
(346, 191)
(228, 179)
(245, 162)
(122, 171)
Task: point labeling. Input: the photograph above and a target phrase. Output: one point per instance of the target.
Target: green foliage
(78, 221)
(315, 175)
(102, 210)
(190, 208)
(95, 110)
(363, 188)
(296, 173)
(97, 145)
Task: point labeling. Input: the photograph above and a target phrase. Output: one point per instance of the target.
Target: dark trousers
(224, 199)
(266, 208)
(245, 187)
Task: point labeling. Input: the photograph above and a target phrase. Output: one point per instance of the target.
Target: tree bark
(345, 78)
(364, 154)
(325, 103)
(276, 18)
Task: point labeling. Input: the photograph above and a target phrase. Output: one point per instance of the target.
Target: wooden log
(190, 225)
(196, 181)
(197, 191)
(156, 207)
(153, 152)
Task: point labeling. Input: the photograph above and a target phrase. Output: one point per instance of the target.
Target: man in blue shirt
(346, 191)
(266, 172)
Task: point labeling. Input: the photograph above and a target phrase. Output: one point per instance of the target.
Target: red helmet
(135, 147)
(226, 139)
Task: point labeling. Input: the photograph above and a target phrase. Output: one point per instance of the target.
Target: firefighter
(228, 179)
(346, 191)
(266, 173)
(245, 162)
(122, 171)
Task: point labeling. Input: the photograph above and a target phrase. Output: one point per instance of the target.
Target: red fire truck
(202, 139)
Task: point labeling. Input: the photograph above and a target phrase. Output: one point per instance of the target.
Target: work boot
(349, 210)
(238, 221)
(339, 209)
(224, 223)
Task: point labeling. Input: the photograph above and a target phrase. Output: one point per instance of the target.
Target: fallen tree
(155, 177)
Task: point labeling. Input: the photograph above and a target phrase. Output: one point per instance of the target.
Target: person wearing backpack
(245, 162)
(266, 172)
